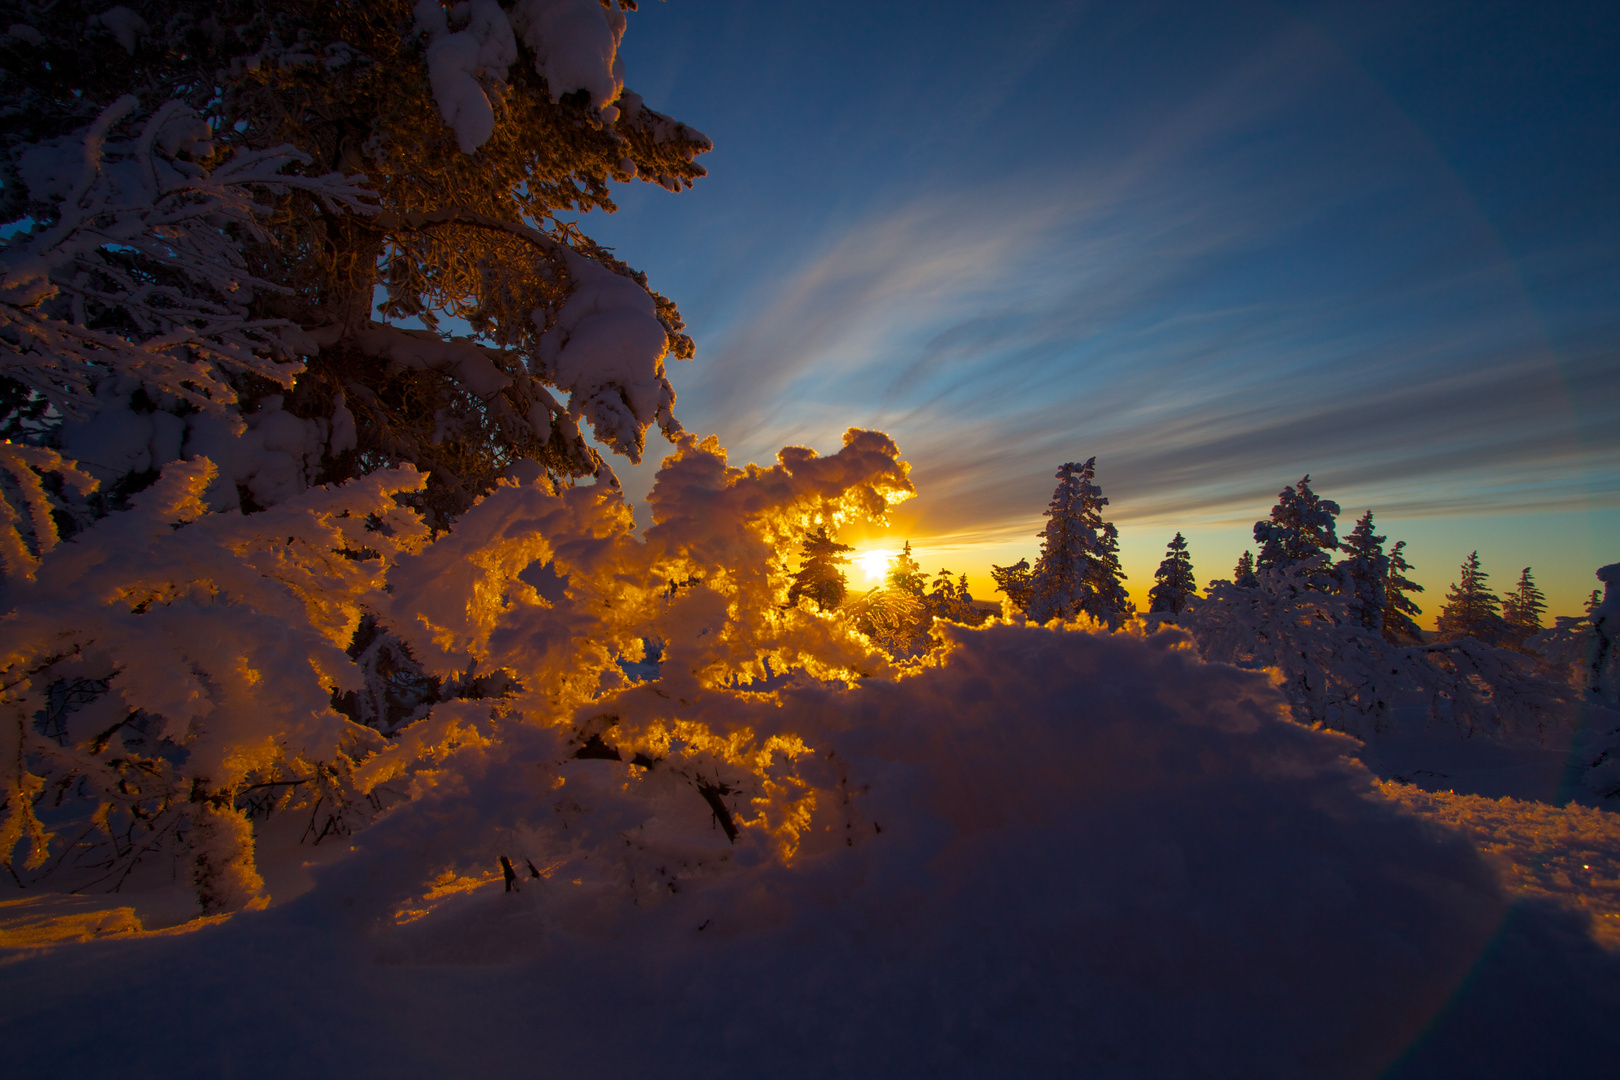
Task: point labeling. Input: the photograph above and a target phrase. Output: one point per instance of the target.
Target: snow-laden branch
(137, 269)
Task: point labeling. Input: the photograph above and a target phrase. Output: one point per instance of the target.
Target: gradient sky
(1215, 245)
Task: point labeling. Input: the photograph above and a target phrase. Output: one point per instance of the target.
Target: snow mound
(1055, 853)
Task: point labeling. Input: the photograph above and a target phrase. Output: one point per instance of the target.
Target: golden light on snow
(873, 563)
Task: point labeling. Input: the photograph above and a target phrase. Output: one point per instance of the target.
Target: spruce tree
(1243, 573)
(819, 578)
(1592, 602)
(1522, 608)
(1400, 612)
(1301, 527)
(905, 575)
(1078, 569)
(1471, 609)
(1365, 574)
(1014, 580)
(1174, 577)
(299, 156)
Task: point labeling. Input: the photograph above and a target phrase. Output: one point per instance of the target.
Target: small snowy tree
(1014, 581)
(819, 577)
(1243, 573)
(1300, 528)
(1174, 579)
(1400, 611)
(1078, 569)
(950, 599)
(904, 574)
(1471, 609)
(1522, 608)
(1365, 574)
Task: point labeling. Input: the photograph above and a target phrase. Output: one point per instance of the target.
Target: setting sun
(874, 563)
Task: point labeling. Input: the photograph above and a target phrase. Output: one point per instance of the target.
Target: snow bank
(1052, 854)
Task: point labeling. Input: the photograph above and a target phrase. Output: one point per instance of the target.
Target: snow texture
(607, 350)
(576, 47)
(1057, 853)
(456, 62)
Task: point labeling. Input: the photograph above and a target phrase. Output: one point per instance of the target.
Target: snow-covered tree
(819, 577)
(1078, 569)
(212, 198)
(1365, 574)
(1014, 581)
(1243, 573)
(1400, 611)
(1471, 608)
(904, 574)
(1174, 579)
(1522, 608)
(1300, 528)
(1592, 602)
(950, 599)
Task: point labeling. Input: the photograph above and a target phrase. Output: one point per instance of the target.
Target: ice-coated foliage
(1014, 582)
(169, 670)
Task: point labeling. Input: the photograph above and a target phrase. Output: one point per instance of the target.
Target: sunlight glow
(874, 563)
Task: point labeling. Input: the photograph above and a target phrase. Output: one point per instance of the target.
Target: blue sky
(1216, 245)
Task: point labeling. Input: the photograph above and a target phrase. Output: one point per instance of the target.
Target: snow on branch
(134, 265)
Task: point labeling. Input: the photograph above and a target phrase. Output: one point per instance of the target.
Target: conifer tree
(1592, 602)
(819, 578)
(301, 155)
(1015, 582)
(1471, 609)
(1400, 612)
(1174, 577)
(1301, 527)
(949, 598)
(1078, 569)
(1243, 573)
(905, 575)
(1365, 574)
(1522, 608)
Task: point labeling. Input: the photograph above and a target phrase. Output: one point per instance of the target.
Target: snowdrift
(1056, 853)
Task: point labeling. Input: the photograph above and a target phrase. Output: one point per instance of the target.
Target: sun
(874, 563)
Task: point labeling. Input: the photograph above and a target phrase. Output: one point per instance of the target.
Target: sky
(1217, 246)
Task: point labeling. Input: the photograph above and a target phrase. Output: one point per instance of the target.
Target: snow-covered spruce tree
(1365, 574)
(459, 132)
(1243, 573)
(1300, 528)
(1471, 608)
(1400, 611)
(1341, 674)
(1078, 570)
(1014, 582)
(1174, 579)
(1522, 608)
(819, 577)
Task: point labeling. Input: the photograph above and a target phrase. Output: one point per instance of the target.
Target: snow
(607, 351)
(1061, 853)
(125, 25)
(576, 46)
(456, 62)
